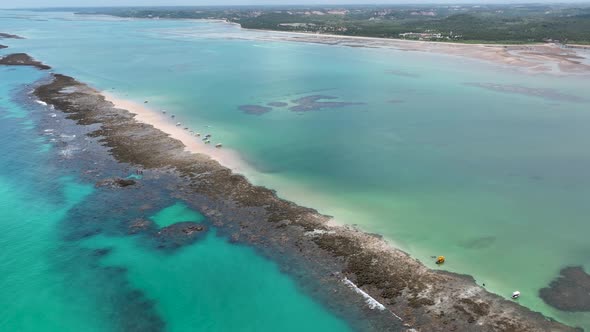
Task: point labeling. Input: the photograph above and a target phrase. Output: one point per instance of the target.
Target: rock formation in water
(313, 103)
(570, 291)
(22, 59)
(115, 183)
(9, 36)
(277, 104)
(254, 109)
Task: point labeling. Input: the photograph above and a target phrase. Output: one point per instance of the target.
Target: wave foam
(369, 300)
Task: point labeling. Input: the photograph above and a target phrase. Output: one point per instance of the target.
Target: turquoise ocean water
(497, 182)
(53, 282)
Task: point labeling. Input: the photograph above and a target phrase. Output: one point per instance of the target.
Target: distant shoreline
(226, 21)
(331, 35)
(534, 58)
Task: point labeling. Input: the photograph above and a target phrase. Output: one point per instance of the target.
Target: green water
(33, 295)
(49, 282)
(214, 286)
(496, 182)
(175, 213)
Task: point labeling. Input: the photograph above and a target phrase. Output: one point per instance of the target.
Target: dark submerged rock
(179, 234)
(115, 183)
(313, 103)
(3, 46)
(277, 104)
(254, 109)
(22, 59)
(140, 226)
(125, 182)
(9, 36)
(570, 291)
(545, 93)
(101, 252)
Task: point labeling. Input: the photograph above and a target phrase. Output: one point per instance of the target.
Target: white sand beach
(194, 144)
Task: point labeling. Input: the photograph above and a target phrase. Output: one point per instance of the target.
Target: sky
(98, 3)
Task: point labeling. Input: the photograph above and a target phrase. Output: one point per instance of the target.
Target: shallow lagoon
(57, 276)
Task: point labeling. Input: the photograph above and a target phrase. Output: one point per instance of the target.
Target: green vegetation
(456, 23)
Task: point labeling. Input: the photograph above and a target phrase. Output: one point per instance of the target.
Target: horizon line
(459, 2)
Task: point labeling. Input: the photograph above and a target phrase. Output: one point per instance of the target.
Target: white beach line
(194, 144)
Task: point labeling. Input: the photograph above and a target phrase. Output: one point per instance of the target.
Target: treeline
(465, 23)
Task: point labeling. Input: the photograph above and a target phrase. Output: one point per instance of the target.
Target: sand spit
(424, 299)
(534, 58)
(168, 125)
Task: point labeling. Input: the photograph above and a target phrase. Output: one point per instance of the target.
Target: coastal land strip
(549, 57)
(381, 288)
(534, 58)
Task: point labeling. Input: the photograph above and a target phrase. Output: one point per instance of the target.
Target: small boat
(515, 294)
(178, 124)
(205, 138)
(218, 145)
(208, 135)
(207, 141)
(185, 128)
(440, 260)
(198, 134)
(164, 111)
